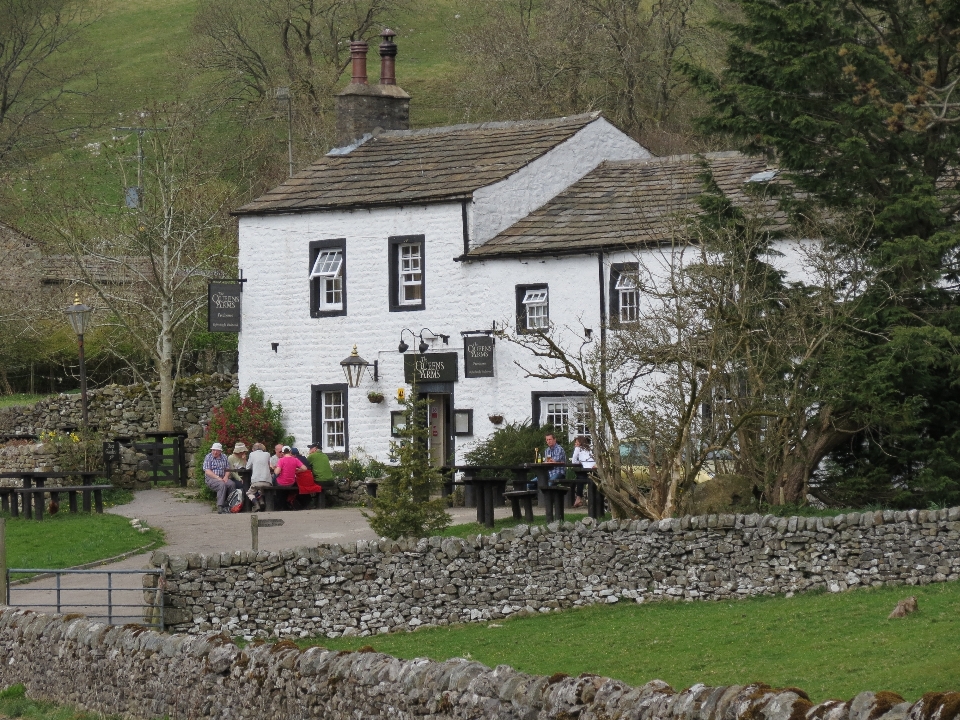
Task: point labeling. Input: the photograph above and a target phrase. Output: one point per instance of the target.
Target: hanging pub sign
(477, 356)
(431, 367)
(223, 307)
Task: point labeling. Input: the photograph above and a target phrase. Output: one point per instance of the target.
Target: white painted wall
(498, 206)
(459, 296)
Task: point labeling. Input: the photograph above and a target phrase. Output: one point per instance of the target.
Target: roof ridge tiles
(493, 125)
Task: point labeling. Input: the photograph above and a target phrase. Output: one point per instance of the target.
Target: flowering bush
(77, 450)
(248, 420)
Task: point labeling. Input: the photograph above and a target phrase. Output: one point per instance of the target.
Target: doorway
(439, 428)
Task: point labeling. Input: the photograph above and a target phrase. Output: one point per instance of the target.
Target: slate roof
(416, 166)
(625, 204)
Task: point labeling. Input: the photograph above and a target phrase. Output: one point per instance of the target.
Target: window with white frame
(411, 274)
(533, 308)
(624, 293)
(330, 428)
(328, 278)
(407, 273)
(627, 288)
(567, 413)
(334, 422)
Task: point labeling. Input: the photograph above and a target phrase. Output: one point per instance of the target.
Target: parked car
(635, 461)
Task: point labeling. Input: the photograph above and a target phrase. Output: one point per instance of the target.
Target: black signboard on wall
(223, 307)
(477, 356)
(431, 367)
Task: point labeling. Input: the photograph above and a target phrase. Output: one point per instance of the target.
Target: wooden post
(254, 531)
(4, 591)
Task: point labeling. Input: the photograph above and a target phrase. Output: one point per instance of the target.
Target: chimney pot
(388, 53)
(358, 55)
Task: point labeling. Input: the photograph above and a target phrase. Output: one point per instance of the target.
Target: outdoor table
(489, 491)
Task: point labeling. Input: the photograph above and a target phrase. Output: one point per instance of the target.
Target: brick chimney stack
(363, 108)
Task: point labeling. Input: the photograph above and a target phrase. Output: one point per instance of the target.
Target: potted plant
(375, 397)
(496, 418)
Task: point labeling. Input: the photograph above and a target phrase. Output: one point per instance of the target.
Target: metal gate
(114, 601)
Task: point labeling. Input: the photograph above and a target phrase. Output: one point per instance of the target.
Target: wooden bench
(32, 498)
(275, 497)
(524, 498)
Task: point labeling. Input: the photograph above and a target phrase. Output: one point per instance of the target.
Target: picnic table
(34, 488)
(487, 490)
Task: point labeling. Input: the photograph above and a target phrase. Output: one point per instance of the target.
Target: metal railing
(148, 614)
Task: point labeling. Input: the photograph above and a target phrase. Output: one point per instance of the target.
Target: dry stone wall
(366, 588)
(115, 411)
(136, 673)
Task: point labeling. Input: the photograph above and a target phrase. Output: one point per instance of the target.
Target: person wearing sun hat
(236, 461)
(216, 475)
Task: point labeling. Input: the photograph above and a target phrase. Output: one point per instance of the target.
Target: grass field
(832, 646)
(14, 703)
(19, 399)
(64, 540)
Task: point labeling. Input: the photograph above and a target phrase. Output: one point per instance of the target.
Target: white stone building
(436, 237)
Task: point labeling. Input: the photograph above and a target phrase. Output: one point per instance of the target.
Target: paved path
(191, 527)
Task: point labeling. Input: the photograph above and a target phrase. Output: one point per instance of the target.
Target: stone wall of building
(114, 411)
(366, 588)
(137, 673)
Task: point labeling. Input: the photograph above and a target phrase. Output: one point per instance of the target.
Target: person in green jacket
(320, 464)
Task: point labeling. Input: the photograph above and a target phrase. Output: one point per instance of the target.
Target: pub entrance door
(438, 428)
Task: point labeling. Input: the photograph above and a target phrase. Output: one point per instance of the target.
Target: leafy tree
(403, 506)
(852, 100)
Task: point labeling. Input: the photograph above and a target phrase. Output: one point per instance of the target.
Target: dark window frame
(315, 247)
(537, 395)
(393, 249)
(521, 309)
(394, 414)
(469, 413)
(316, 419)
(616, 271)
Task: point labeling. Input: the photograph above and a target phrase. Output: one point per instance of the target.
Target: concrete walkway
(191, 526)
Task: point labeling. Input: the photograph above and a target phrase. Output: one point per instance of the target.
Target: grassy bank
(832, 646)
(64, 540)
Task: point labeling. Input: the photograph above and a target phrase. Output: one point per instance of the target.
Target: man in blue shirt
(217, 477)
(555, 454)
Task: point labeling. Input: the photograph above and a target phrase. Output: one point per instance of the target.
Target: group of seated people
(286, 468)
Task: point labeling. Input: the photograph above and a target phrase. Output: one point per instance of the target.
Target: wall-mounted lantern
(354, 367)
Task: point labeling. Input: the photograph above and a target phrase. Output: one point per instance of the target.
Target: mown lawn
(64, 540)
(832, 646)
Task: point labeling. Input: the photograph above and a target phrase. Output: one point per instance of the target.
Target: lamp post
(353, 368)
(79, 316)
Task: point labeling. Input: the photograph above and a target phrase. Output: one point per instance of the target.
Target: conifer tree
(403, 507)
(852, 101)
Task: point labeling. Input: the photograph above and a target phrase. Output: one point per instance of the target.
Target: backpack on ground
(235, 501)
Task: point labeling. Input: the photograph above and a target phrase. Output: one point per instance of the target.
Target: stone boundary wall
(137, 673)
(115, 411)
(366, 588)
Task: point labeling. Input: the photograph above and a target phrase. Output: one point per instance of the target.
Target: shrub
(515, 444)
(78, 450)
(403, 507)
(248, 420)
